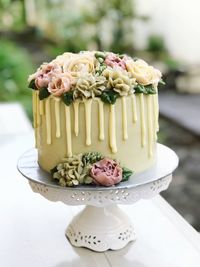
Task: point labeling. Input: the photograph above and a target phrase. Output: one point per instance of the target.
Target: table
(32, 228)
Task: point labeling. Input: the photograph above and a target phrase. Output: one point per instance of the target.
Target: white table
(32, 228)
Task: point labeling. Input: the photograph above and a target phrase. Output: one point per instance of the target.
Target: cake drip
(76, 117)
(134, 108)
(142, 119)
(57, 116)
(68, 131)
(143, 107)
(101, 120)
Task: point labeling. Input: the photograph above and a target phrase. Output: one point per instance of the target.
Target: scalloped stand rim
(101, 229)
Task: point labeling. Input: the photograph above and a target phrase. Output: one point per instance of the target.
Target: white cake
(96, 102)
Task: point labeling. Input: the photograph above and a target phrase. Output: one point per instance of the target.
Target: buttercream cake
(95, 117)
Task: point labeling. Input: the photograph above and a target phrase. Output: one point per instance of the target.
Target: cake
(95, 117)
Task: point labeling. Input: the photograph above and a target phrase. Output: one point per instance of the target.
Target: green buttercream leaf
(109, 96)
(121, 56)
(147, 90)
(150, 90)
(32, 85)
(140, 89)
(68, 98)
(43, 93)
(100, 55)
(91, 157)
(126, 173)
(162, 82)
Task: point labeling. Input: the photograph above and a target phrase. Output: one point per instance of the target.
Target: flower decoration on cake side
(90, 168)
(94, 74)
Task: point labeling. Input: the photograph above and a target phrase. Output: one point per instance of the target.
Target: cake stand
(101, 225)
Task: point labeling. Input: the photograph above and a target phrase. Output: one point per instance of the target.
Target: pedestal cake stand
(101, 225)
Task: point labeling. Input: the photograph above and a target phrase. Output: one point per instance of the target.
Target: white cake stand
(101, 225)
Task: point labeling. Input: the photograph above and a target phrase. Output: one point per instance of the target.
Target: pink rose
(106, 172)
(45, 73)
(42, 80)
(113, 61)
(60, 85)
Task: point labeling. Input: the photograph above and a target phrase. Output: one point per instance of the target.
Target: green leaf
(43, 93)
(100, 59)
(161, 82)
(32, 85)
(121, 56)
(100, 55)
(91, 157)
(68, 98)
(109, 96)
(150, 90)
(126, 173)
(140, 89)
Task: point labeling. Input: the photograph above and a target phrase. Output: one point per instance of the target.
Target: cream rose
(60, 84)
(143, 73)
(64, 58)
(81, 63)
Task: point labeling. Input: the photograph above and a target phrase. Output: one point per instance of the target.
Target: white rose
(143, 73)
(64, 58)
(81, 63)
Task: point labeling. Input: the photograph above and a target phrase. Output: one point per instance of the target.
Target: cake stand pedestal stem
(101, 228)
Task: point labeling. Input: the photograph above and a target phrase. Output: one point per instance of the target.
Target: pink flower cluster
(106, 172)
(50, 76)
(113, 60)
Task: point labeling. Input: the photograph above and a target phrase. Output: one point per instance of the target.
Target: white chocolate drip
(57, 116)
(41, 107)
(76, 117)
(48, 120)
(142, 118)
(134, 108)
(156, 114)
(112, 130)
(68, 131)
(150, 124)
(88, 105)
(124, 119)
(38, 111)
(101, 120)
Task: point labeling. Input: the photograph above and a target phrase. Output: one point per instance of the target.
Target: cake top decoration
(90, 74)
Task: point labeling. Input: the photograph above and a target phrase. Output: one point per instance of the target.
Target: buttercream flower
(64, 58)
(44, 74)
(106, 172)
(143, 73)
(119, 81)
(80, 63)
(88, 85)
(60, 84)
(113, 60)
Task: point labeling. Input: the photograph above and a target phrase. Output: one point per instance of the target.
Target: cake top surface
(90, 74)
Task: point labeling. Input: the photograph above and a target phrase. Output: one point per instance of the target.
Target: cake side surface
(125, 131)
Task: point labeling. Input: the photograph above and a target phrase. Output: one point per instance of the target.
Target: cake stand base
(101, 228)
